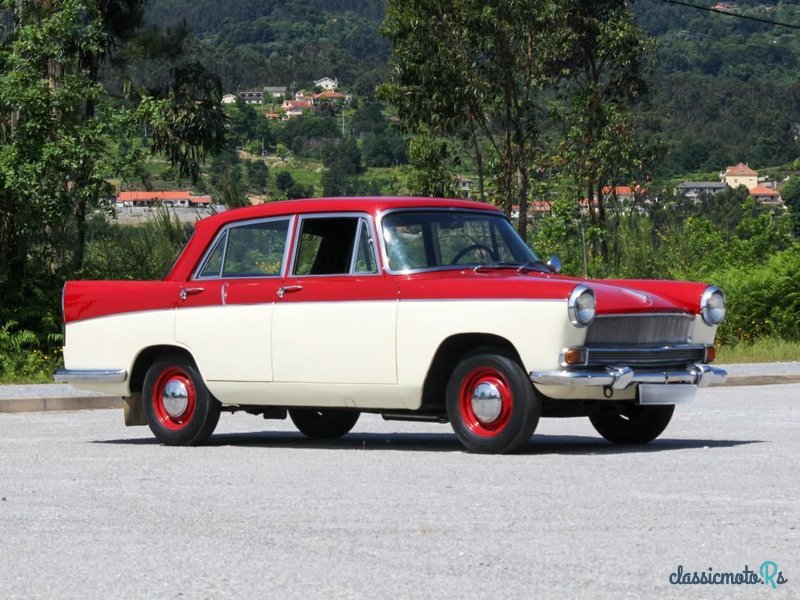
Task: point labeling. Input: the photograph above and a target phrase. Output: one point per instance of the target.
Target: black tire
(187, 419)
(634, 424)
(323, 423)
(510, 394)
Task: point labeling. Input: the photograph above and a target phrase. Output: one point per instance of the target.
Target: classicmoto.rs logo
(767, 574)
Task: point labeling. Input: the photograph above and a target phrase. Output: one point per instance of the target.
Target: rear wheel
(634, 424)
(323, 423)
(178, 407)
(491, 403)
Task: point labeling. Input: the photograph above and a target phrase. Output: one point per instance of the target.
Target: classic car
(413, 308)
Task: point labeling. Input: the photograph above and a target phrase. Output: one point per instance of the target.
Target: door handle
(288, 289)
(186, 292)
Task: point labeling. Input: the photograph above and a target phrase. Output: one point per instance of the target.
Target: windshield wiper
(535, 265)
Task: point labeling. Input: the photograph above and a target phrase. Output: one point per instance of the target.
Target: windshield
(437, 239)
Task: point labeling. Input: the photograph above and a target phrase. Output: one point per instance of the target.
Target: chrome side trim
(90, 375)
(620, 378)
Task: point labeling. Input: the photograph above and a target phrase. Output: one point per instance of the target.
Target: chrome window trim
(224, 231)
(361, 216)
(391, 211)
(362, 224)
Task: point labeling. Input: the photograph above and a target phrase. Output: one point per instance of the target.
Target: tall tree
(59, 128)
(606, 60)
(476, 69)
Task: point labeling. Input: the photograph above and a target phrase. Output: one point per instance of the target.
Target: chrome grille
(646, 357)
(639, 329)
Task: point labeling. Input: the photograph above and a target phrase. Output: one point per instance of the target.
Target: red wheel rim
(487, 390)
(174, 398)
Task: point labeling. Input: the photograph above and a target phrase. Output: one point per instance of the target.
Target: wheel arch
(150, 355)
(449, 353)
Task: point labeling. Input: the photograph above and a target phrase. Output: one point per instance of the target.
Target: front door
(335, 313)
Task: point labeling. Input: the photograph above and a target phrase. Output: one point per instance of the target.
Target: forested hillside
(723, 90)
(253, 43)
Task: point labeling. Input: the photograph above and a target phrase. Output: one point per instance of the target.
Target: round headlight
(580, 306)
(712, 305)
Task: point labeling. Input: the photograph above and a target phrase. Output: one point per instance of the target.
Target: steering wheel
(460, 254)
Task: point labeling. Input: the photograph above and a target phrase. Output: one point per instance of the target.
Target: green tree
(58, 122)
(343, 165)
(475, 70)
(790, 192)
(606, 59)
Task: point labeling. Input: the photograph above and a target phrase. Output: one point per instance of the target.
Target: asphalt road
(89, 508)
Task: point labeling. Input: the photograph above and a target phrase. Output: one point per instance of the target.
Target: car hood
(612, 296)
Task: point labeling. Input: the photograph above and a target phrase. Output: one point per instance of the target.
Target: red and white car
(413, 308)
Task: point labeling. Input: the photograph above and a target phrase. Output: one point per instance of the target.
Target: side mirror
(553, 264)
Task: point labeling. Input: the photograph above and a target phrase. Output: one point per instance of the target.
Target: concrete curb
(744, 380)
(60, 403)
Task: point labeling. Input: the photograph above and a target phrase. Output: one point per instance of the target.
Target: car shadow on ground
(444, 442)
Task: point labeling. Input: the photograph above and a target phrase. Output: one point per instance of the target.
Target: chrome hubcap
(487, 402)
(175, 398)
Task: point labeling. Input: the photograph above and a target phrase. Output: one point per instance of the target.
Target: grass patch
(763, 350)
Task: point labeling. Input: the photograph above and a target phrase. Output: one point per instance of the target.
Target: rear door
(225, 313)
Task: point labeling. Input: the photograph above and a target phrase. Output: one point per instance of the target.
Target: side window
(213, 266)
(333, 246)
(405, 245)
(255, 250)
(365, 256)
(252, 250)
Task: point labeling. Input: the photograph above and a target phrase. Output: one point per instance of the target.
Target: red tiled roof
(740, 169)
(331, 94)
(162, 196)
(761, 190)
(621, 190)
(290, 104)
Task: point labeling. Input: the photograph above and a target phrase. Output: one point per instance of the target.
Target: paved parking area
(89, 508)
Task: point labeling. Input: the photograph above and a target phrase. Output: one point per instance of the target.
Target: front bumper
(90, 375)
(619, 378)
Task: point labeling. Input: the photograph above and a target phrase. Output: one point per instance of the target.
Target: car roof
(370, 205)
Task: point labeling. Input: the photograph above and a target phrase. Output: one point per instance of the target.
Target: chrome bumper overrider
(90, 375)
(619, 378)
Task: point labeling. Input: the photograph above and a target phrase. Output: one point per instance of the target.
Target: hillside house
(766, 195)
(252, 96)
(176, 198)
(326, 83)
(693, 189)
(740, 174)
(275, 91)
(229, 99)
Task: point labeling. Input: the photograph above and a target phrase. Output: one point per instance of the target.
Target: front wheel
(491, 403)
(323, 423)
(179, 409)
(634, 424)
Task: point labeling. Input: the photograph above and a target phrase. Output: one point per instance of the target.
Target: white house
(326, 83)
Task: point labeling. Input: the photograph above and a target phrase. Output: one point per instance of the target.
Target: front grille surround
(651, 340)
